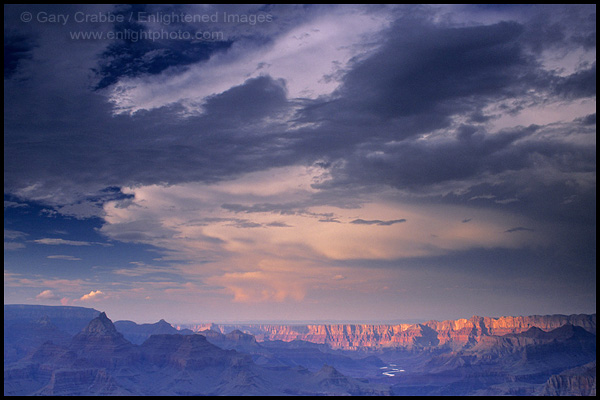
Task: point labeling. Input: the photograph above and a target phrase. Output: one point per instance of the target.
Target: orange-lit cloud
(94, 295)
(265, 237)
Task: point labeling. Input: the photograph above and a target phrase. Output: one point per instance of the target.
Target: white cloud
(58, 241)
(63, 257)
(12, 279)
(13, 246)
(13, 204)
(93, 295)
(47, 295)
(11, 234)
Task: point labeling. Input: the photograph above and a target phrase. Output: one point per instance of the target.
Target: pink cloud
(65, 301)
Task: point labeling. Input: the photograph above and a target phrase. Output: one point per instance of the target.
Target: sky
(342, 163)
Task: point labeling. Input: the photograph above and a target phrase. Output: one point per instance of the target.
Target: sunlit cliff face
(451, 333)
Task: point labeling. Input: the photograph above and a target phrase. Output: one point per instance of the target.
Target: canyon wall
(453, 333)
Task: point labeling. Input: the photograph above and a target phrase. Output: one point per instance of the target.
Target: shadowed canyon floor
(79, 351)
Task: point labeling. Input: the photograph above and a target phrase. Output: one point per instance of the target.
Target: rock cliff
(67, 318)
(552, 355)
(451, 333)
(579, 381)
(101, 342)
(138, 333)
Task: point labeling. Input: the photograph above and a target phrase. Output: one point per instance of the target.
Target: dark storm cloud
(519, 229)
(278, 224)
(423, 77)
(236, 222)
(247, 224)
(283, 209)
(377, 222)
(141, 231)
(63, 143)
(17, 47)
(471, 153)
(96, 151)
(579, 84)
(255, 99)
(296, 208)
(588, 119)
(135, 56)
(424, 74)
(560, 25)
(141, 54)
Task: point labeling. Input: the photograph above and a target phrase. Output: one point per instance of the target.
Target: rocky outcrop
(101, 342)
(91, 381)
(484, 356)
(561, 385)
(463, 330)
(328, 379)
(66, 318)
(199, 327)
(100, 361)
(236, 340)
(454, 334)
(513, 364)
(22, 337)
(580, 381)
(568, 335)
(26, 327)
(191, 352)
(138, 333)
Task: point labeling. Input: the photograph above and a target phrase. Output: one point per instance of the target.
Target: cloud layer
(331, 142)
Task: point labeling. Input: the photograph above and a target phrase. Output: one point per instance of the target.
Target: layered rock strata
(452, 333)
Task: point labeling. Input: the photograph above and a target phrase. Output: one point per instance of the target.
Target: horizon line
(397, 321)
